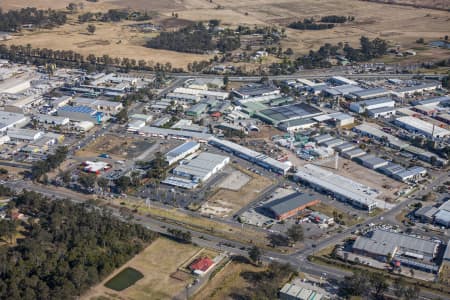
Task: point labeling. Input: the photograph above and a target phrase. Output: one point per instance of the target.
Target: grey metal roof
(345, 146)
(392, 169)
(182, 149)
(447, 252)
(371, 160)
(290, 202)
(369, 92)
(417, 87)
(373, 246)
(375, 101)
(433, 100)
(413, 171)
(442, 217)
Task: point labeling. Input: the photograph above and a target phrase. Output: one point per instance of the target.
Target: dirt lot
(435, 4)
(228, 280)
(225, 202)
(401, 25)
(115, 146)
(383, 184)
(157, 263)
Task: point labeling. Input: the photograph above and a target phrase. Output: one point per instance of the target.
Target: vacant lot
(117, 147)
(225, 202)
(386, 186)
(401, 25)
(227, 281)
(157, 263)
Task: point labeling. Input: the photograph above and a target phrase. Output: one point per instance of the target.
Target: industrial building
(276, 115)
(337, 119)
(391, 169)
(51, 120)
(345, 147)
(416, 89)
(323, 138)
(370, 93)
(95, 167)
(332, 143)
(252, 156)
(338, 186)
(435, 215)
(135, 125)
(11, 120)
(351, 154)
(111, 108)
(371, 161)
(375, 132)
(202, 167)
(416, 125)
(296, 125)
(407, 250)
(441, 100)
(342, 90)
(362, 106)
(181, 152)
(79, 113)
(197, 110)
(412, 174)
(339, 80)
(175, 134)
(381, 112)
(255, 90)
(290, 205)
(297, 290)
(198, 94)
(24, 134)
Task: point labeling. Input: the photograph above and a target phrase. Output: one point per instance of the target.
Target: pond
(126, 278)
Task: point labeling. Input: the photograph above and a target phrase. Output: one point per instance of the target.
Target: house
(201, 265)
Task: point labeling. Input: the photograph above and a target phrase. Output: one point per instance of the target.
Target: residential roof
(201, 264)
(290, 202)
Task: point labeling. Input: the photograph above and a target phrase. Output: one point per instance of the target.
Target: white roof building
(10, 120)
(417, 125)
(24, 134)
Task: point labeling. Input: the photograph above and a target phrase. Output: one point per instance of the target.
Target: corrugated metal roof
(290, 202)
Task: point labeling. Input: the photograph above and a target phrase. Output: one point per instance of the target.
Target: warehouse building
(11, 120)
(183, 98)
(369, 93)
(290, 205)
(24, 134)
(416, 125)
(197, 110)
(202, 167)
(252, 156)
(354, 153)
(408, 250)
(341, 90)
(391, 169)
(323, 138)
(79, 113)
(338, 186)
(344, 147)
(333, 143)
(371, 161)
(175, 134)
(337, 119)
(276, 115)
(416, 89)
(375, 132)
(51, 120)
(202, 94)
(384, 112)
(181, 152)
(297, 290)
(412, 174)
(362, 106)
(339, 80)
(255, 90)
(135, 125)
(434, 101)
(110, 108)
(296, 125)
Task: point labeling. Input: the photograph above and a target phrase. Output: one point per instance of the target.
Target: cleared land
(386, 186)
(401, 25)
(227, 281)
(157, 263)
(434, 4)
(225, 202)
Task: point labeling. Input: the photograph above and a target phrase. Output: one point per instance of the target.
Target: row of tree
(13, 20)
(309, 24)
(41, 167)
(114, 15)
(66, 248)
(336, 19)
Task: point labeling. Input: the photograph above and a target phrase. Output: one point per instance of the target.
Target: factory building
(24, 134)
(339, 80)
(51, 120)
(252, 156)
(354, 153)
(416, 89)
(338, 186)
(371, 161)
(175, 134)
(416, 125)
(370, 93)
(337, 119)
(296, 125)
(412, 174)
(384, 112)
(202, 167)
(79, 113)
(362, 106)
(406, 250)
(201, 94)
(279, 114)
(197, 110)
(11, 120)
(373, 131)
(110, 108)
(181, 152)
(255, 90)
(290, 205)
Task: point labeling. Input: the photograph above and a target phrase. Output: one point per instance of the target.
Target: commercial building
(416, 125)
(296, 125)
(276, 115)
(202, 167)
(339, 80)
(342, 90)
(381, 112)
(362, 106)
(407, 250)
(202, 94)
(135, 125)
(371, 161)
(51, 120)
(299, 291)
(197, 110)
(416, 89)
(338, 186)
(79, 113)
(252, 156)
(337, 119)
(370, 93)
(111, 108)
(290, 205)
(181, 152)
(11, 120)
(412, 174)
(375, 132)
(175, 134)
(24, 134)
(351, 154)
(255, 90)
(345, 147)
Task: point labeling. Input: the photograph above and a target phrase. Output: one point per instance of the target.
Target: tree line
(310, 24)
(13, 20)
(114, 15)
(40, 168)
(66, 248)
(336, 19)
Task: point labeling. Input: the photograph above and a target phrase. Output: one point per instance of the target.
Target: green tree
(295, 233)
(91, 28)
(255, 254)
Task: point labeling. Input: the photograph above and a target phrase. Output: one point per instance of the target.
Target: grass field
(400, 25)
(227, 281)
(126, 278)
(157, 263)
